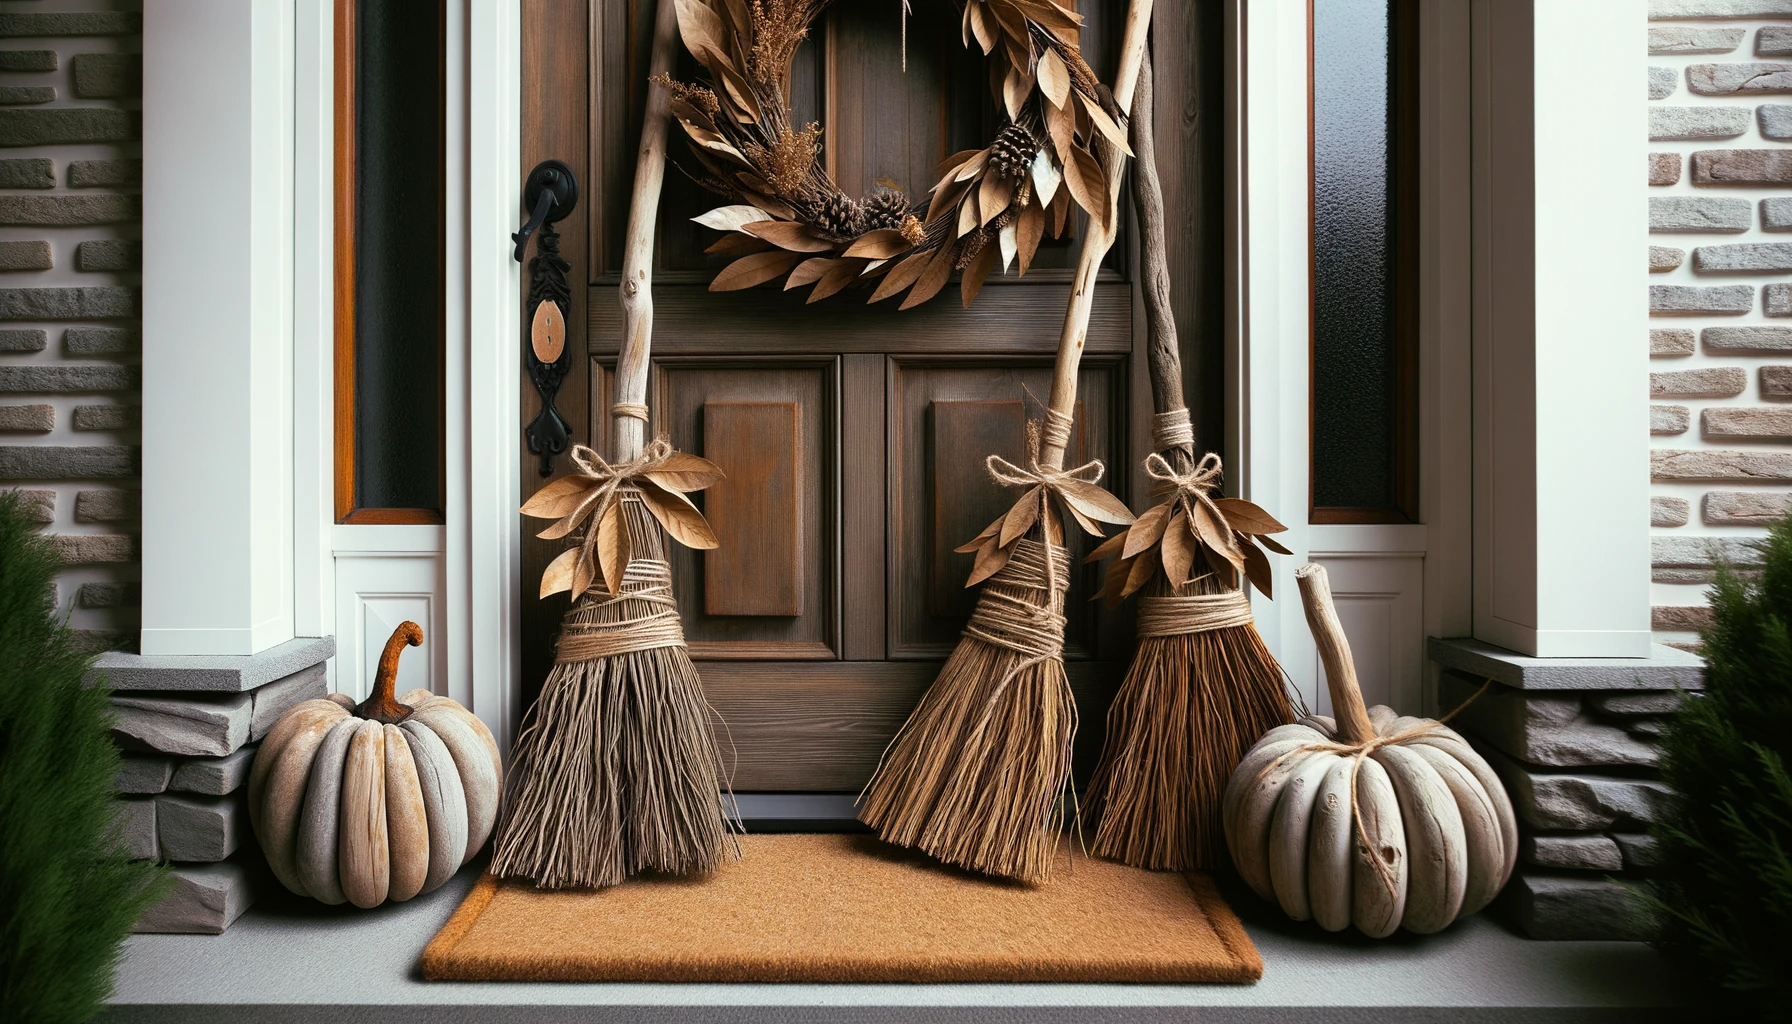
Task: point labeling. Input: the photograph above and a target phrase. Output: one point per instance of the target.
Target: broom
(616, 769)
(977, 775)
(1202, 687)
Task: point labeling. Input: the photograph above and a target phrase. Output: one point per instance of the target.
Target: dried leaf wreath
(591, 495)
(991, 205)
(1190, 533)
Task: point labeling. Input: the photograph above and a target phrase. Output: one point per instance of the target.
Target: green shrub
(68, 893)
(1724, 889)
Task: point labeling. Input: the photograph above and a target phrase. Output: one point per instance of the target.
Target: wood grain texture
(684, 390)
(821, 726)
(755, 510)
(556, 39)
(1006, 319)
(864, 492)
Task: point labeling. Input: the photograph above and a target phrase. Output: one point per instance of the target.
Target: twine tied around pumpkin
(1357, 752)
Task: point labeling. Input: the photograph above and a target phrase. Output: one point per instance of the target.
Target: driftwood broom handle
(1164, 359)
(1082, 291)
(1334, 653)
(637, 254)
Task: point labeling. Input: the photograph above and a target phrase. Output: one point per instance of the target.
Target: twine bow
(1197, 483)
(588, 496)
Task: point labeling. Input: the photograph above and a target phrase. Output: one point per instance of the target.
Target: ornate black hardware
(550, 194)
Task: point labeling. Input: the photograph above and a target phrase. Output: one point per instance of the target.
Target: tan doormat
(833, 908)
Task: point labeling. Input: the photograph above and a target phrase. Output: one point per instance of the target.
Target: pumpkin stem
(1334, 652)
(382, 705)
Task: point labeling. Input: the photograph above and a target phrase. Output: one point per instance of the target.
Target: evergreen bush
(68, 892)
(1724, 888)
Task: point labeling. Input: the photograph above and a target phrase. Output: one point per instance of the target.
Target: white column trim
(217, 326)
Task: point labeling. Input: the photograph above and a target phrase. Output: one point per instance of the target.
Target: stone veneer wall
(70, 224)
(1720, 266)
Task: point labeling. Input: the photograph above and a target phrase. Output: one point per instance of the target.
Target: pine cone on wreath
(1012, 151)
(840, 217)
(886, 209)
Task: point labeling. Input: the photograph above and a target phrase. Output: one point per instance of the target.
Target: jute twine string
(1050, 481)
(646, 596)
(612, 475)
(1173, 615)
(629, 410)
(1172, 430)
(1011, 621)
(1357, 752)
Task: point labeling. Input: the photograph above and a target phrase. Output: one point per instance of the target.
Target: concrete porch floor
(291, 960)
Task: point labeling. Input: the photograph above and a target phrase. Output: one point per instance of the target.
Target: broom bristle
(1189, 710)
(616, 770)
(977, 776)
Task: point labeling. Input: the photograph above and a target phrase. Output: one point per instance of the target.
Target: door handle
(550, 193)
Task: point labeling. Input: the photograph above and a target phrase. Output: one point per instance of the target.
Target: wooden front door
(853, 435)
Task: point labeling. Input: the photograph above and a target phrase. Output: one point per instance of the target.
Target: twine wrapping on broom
(1174, 615)
(647, 583)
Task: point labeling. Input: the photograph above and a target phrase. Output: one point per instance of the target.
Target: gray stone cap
(212, 673)
(1664, 668)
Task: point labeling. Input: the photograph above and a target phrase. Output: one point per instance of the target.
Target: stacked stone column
(189, 729)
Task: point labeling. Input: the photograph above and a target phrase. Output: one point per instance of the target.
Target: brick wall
(1720, 290)
(70, 224)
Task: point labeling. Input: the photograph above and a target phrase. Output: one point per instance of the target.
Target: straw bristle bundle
(977, 776)
(1190, 708)
(616, 769)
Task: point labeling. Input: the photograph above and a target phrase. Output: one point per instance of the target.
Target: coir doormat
(834, 908)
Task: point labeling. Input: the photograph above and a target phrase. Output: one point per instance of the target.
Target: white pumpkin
(377, 801)
(1432, 838)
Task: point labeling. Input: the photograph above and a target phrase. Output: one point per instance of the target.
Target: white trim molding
(1561, 534)
(217, 326)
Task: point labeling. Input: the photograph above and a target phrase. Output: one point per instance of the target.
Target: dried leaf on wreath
(991, 557)
(809, 271)
(1015, 90)
(904, 275)
(758, 192)
(558, 575)
(837, 277)
(685, 472)
(1065, 24)
(1013, 22)
(754, 270)
(879, 245)
(732, 218)
(949, 166)
(734, 244)
(1084, 178)
(721, 146)
(983, 26)
(1009, 239)
(972, 167)
(1178, 549)
(1054, 78)
(946, 196)
(612, 547)
(680, 518)
(789, 235)
(557, 497)
(1272, 544)
(701, 30)
(1060, 212)
(1046, 177)
(1021, 517)
(1147, 530)
(1247, 517)
(933, 278)
(1029, 228)
(993, 197)
(1060, 127)
(1256, 567)
(975, 274)
(1105, 124)
(1020, 50)
(1095, 502)
(967, 215)
(746, 104)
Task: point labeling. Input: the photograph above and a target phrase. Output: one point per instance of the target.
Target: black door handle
(550, 194)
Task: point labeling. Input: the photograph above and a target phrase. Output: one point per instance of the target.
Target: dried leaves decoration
(590, 496)
(1189, 534)
(788, 219)
(1077, 493)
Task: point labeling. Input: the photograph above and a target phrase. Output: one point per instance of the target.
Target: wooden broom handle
(1164, 353)
(1096, 246)
(637, 253)
(1334, 653)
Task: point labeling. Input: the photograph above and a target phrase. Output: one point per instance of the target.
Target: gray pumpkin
(378, 801)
